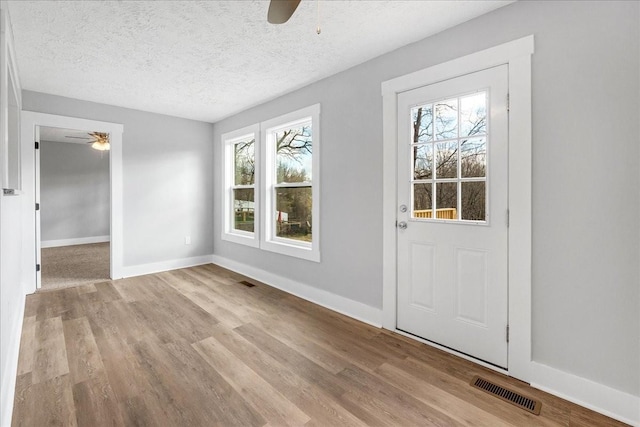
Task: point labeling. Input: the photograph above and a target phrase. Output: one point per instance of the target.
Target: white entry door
(453, 214)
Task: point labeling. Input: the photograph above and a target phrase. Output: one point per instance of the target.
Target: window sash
(229, 143)
(272, 242)
(265, 185)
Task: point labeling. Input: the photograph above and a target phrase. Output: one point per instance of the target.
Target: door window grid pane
(449, 175)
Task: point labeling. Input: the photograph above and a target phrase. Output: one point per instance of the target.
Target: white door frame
(31, 248)
(517, 54)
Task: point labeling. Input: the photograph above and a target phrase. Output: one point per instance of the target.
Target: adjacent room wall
(74, 192)
(586, 138)
(167, 178)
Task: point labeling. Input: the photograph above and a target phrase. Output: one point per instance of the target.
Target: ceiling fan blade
(76, 137)
(281, 10)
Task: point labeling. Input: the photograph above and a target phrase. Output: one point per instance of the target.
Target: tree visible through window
(450, 158)
(293, 191)
(271, 184)
(244, 185)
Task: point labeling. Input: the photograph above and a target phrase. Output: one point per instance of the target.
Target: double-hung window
(240, 180)
(285, 206)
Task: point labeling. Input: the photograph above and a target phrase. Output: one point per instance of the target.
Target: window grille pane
(422, 201)
(422, 161)
(244, 162)
(422, 119)
(473, 158)
(474, 201)
(473, 114)
(446, 200)
(446, 119)
(294, 154)
(243, 207)
(293, 213)
(446, 160)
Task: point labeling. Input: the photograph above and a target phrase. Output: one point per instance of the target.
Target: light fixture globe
(101, 142)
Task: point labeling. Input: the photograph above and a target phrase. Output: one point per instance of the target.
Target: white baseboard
(157, 267)
(340, 304)
(613, 403)
(71, 242)
(10, 371)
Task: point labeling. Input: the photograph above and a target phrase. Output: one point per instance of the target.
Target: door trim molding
(517, 55)
(31, 119)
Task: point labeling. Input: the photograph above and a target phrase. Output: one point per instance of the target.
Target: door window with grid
(449, 158)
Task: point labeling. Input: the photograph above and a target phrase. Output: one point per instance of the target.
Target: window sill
(247, 239)
(309, 253)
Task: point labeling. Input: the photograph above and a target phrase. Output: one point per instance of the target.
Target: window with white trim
(241, 204)
(283, 181)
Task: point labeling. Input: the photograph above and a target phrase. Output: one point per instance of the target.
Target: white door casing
(37, 199)
(30, 122)
(517, 54)
(452, 267)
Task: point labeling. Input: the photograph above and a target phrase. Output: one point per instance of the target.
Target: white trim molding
(348, 307)
(517, 55)
(30, 120)
(613, 403)
(269, 241)
(10, 370)
(157, 267)
(266, 185)
(77, 241)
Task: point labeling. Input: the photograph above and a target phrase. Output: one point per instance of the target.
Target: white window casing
(266, 185)
(229, 141)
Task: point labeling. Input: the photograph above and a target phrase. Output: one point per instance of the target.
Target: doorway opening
(73, 207)
(30, 134)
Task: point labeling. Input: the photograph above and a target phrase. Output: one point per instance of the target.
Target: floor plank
(266, 399)
(27, 345)
(196, 347)
(51, 352)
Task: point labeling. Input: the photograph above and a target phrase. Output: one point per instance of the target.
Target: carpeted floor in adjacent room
(74, 265)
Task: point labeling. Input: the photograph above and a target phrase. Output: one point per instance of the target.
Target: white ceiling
(206, 60)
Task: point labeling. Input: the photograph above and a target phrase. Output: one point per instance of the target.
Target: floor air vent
(512, 397)
(247, 284)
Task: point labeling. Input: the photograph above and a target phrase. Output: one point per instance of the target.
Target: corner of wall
(337, 303)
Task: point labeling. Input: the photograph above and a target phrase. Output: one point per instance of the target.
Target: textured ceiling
(206, 60)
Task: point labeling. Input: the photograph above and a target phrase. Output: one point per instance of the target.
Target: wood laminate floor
(194, 347)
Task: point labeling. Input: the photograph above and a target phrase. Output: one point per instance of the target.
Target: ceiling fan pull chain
(318, 29)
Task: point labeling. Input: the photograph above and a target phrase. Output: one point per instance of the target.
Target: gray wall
(586, 94)
(74, 191)
(167, 178)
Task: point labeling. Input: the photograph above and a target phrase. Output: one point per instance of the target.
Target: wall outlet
(187, 240)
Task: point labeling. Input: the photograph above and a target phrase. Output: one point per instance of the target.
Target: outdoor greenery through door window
(449, 158)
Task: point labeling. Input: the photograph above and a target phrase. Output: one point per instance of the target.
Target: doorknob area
(402, 225)
(403, 208)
